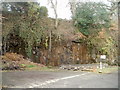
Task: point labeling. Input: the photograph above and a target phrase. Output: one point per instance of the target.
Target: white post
(100, 67)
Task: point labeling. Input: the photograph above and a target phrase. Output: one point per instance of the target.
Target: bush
(113, 63)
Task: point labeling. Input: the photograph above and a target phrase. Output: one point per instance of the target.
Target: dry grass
(13, 60)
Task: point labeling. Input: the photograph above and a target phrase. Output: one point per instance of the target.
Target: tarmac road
(61, 79)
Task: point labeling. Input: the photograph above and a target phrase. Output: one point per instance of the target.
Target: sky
(63, 8)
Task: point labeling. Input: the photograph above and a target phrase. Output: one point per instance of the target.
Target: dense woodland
(92, 31)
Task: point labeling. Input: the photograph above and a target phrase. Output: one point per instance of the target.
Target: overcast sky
(63, 8)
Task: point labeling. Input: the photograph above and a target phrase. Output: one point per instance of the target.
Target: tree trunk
(56, 21)
(118, 27)
(50, 41)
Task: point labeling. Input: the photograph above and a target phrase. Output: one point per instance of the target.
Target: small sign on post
(102, 57)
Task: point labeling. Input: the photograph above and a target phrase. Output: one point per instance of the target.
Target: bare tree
(54, 6)
(113, 7)
(72, 4)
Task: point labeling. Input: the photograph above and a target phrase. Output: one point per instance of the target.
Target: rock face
(66, 53)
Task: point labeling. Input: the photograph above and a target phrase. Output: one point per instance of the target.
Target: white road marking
(55, 80)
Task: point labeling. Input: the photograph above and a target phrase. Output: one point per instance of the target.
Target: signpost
(102, 57)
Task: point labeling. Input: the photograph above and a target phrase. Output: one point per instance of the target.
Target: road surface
(63, 79)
